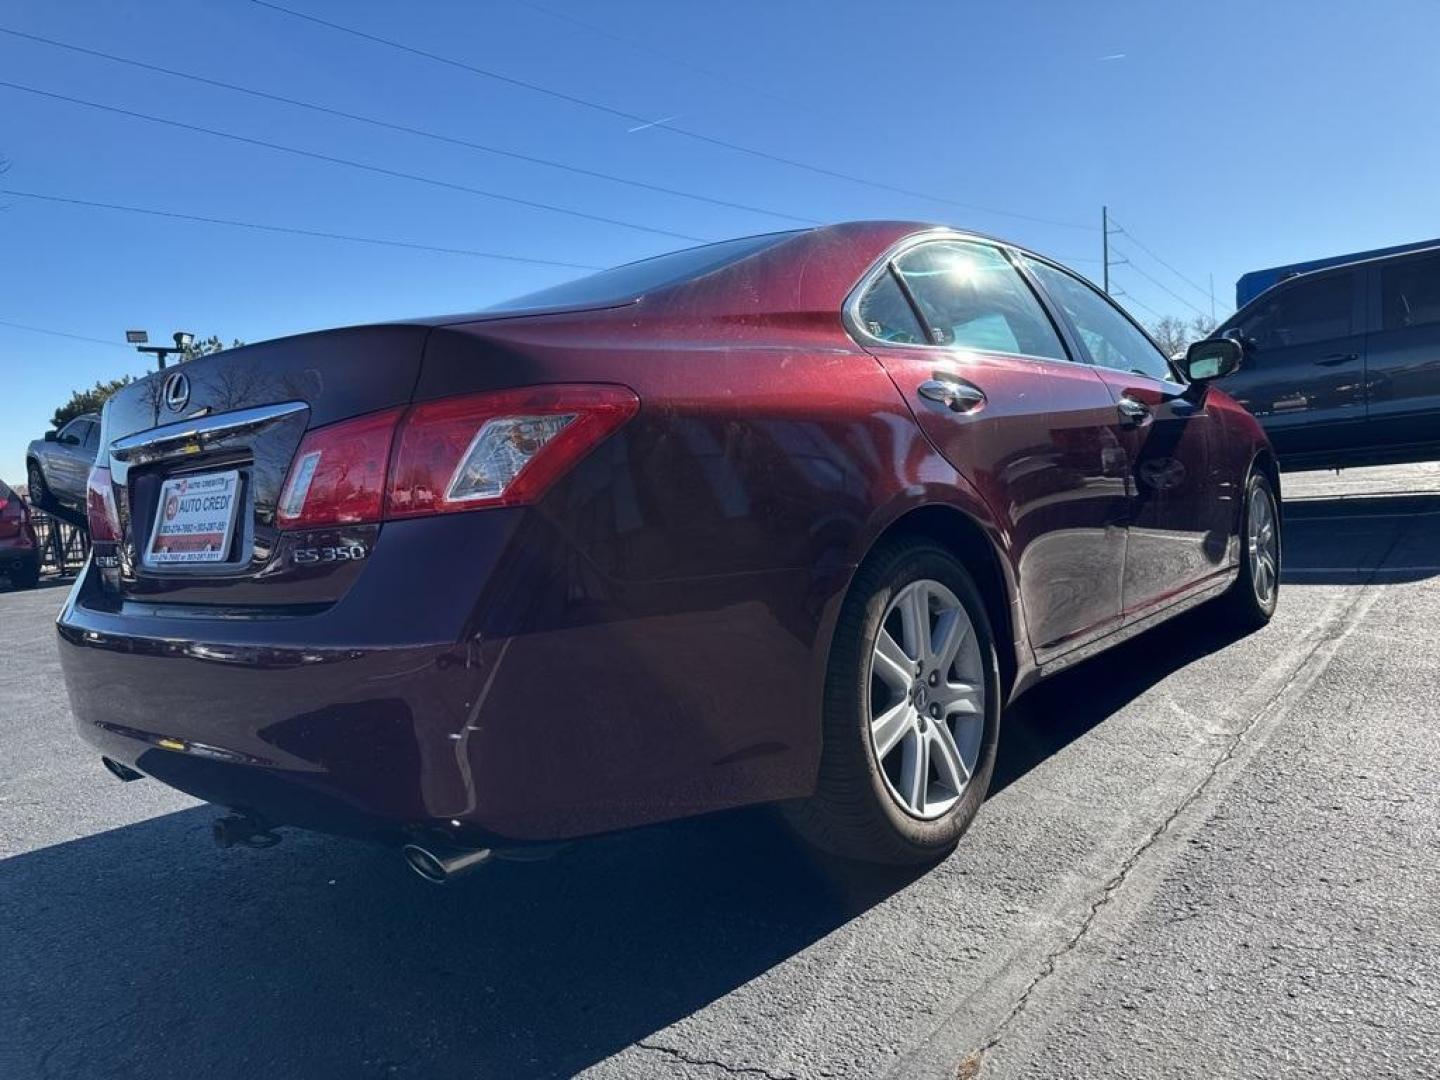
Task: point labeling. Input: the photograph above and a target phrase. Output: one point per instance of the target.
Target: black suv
(1342, 365)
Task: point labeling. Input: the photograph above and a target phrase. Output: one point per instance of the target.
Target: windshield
(622, 283)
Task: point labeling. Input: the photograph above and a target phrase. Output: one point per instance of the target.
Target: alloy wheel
(927, 698)
(1263, 543)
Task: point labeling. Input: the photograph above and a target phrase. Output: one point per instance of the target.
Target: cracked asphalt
(1205, 855)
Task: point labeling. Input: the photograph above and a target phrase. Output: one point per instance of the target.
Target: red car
(19, 551)
(788, 518)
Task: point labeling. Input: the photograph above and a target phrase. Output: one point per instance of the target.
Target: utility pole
(1105, 244)
(1105, 231)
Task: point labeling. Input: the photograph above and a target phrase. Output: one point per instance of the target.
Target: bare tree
(1175, 334)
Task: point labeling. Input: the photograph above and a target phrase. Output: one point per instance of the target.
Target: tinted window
(1301, 313)
(887, 315)
(1410, 293)
(622, 283)
(971, 297)
(92, 434)
(1109, 337)
(73, 432)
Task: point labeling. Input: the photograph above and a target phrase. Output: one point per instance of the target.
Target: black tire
(1242, 605)
(39, 491)
(853, 813)
(26, 577)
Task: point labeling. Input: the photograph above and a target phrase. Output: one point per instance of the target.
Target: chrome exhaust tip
(440, 865)
(123, 773)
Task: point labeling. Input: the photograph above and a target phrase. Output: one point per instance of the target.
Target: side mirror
(1214, 359)
(50, 436)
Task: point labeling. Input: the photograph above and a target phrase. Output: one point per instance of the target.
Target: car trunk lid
(219, 433)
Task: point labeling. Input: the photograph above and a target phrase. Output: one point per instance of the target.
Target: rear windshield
(622, 283)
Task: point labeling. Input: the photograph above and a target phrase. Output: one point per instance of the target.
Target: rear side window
(1302, 313)
(92, 433)
(1410, 293)
(1111, 339)
(887, 315)
(972, 298)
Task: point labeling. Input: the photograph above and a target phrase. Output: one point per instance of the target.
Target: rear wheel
(1252, 600)
(911, 712)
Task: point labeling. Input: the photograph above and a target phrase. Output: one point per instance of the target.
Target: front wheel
(911, 714)
(1252, 600)
(39, 493)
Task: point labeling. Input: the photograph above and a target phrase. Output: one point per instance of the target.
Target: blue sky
(1225, 136)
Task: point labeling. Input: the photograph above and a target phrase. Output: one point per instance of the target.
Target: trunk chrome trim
(191, 436)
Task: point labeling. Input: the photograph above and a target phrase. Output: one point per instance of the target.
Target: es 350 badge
(305, 556)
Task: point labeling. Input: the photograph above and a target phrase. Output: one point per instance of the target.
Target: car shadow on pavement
(1357, 539)
(145, 951)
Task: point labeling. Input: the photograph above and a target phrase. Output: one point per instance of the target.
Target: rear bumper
(514, 695)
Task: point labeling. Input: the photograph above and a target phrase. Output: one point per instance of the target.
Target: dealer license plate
(194, 519)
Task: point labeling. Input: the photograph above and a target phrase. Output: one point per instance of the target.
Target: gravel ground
(1204, 856)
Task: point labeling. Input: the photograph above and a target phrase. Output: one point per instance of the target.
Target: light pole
(139, 338)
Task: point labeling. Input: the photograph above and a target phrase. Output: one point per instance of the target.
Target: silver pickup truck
(57, 467)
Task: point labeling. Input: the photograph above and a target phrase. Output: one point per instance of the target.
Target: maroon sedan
(789, 518)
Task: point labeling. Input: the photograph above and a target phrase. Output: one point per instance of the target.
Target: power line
(688, 133)
(177, 215)
(1131, 237)
(405, 128)
(1164, 288)
(1132, 301)
(667, 56)
(331, 159)
(62, 333)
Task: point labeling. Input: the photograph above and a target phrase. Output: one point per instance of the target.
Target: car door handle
(1337, 358)
(955, 395)
(1133, 413)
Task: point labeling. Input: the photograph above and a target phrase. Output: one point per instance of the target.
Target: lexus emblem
(177, 390)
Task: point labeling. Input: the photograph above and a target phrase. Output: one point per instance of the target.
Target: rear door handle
(1133, 413)
(1337, 358)
(956, 395)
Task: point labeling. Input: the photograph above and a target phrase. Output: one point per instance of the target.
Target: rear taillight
(498, 449)
(338, 475)
(100, 508)
(466, 453)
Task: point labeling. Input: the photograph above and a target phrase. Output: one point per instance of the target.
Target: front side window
(1410, 293)
(73, 433)
(1110, 338)
(972, 298)
(1301, 313)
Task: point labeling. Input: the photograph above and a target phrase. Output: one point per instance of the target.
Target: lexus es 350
(788, 519)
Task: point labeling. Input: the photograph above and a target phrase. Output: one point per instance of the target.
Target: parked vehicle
(787, 518)
(58, 465)
(19, 551)
(1342, 365)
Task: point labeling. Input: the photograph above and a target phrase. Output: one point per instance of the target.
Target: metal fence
(63, 544)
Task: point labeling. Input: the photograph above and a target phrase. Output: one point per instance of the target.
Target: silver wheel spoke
(957, 698)
(946, 755)
(950, 633)
(891, 665)
(915, 618)
(915, 771)
(890, 727)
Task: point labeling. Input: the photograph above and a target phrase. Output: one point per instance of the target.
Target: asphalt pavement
(1205, 855)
